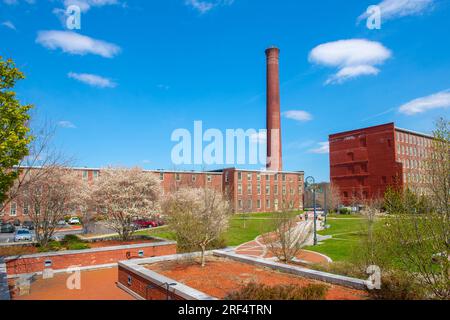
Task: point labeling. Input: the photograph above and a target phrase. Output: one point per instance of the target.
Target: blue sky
(137, 70)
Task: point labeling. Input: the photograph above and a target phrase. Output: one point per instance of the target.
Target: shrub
(397, 286)
(71, 238)
(254, 291)
(77, 246)
(345, 211)
(51, 246)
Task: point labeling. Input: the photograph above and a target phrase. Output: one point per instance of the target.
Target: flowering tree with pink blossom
(123, 195)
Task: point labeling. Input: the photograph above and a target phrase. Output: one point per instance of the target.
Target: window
(95, 174)
(284, 190)
(258, 204)
(239, 176)
(194, 178)
(275, 204)
(209, 178)
(258, 177)
(267, 204)
(161, 176)
(258, 188)
(13, 209)
(85, 175)
(239, 189)
(267, 190)
(249, 176)
(26, 208)
(267, 177)
(227, 178)
(240, 204)
(283, 177)
(275, 189)
(300, 190)
(249, 204)
(292, 191)
(345, 194)
(384, 179)
(275, 177)
(249, 189)
(177, 177)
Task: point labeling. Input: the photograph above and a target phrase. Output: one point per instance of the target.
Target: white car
(74, 220)
(23, 235)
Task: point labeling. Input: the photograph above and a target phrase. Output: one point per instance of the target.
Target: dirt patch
(223, 276)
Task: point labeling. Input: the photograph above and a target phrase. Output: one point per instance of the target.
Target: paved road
(9, 237)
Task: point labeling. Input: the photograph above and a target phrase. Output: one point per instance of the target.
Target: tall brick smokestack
(274, 156)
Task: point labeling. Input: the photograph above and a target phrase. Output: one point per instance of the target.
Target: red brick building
(365, 162)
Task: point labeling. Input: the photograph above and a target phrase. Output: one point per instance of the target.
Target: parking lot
(9, 237)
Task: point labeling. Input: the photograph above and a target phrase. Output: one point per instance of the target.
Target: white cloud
(163, 87)
(353, 58)
(204, 6)
(324, 148)
(260, 137)
(9, 24)
(14, 2)
(92, 80)
(298, 115)
(392, 9)
(75, 43)
(440, 100)
(66, 124)
(348, 73)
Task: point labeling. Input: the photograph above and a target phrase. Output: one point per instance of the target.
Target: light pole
(311, 184)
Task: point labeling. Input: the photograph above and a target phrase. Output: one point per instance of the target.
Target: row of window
(13, 209)
(412, 177)
(412, 151)
(268, 190)
(414, 164)
(85, 174)
(178, 177)
(258, 177)
(249, 204)
(413, 139)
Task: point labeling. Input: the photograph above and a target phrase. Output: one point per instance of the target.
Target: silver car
(23, 235)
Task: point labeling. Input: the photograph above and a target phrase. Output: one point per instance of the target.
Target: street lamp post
(311, 184)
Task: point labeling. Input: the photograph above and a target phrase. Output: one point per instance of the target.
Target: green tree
(15, 133)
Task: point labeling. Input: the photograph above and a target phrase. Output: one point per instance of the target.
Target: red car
(143, 224)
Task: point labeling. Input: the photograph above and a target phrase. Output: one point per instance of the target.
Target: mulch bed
(221, 276)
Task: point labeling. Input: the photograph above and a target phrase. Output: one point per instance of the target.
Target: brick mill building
(365, 162)
(248, 190)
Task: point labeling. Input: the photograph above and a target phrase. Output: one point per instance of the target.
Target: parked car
(23, 235)
(16, 223)
(28, 225)
(143, 224)
(74, 220)
(7, 228)
(61, 223)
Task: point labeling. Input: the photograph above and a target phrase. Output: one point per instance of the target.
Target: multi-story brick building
(365, 162)
(248, 191)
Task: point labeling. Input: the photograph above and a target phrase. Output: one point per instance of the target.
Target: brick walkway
(257, 249)
(95, 285)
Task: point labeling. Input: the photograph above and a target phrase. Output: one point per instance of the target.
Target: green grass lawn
(347, 234)
(243, 228)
